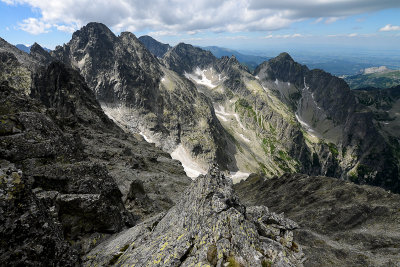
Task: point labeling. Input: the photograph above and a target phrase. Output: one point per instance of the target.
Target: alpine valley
(124, 151)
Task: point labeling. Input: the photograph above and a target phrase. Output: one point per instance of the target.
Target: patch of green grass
(333, 149)
(266, 263)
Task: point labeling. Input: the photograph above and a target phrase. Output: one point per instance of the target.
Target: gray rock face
(342, 224)
(155, 47)
(208, 226)
(29, 234)
(184, 58)
(14, 72)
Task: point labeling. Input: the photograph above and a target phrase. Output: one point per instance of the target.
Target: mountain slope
(266, 135)
(155, 47)
(330, 114)
(342, 224)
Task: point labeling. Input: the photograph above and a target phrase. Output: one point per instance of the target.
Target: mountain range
(99, 137)
(27, 49)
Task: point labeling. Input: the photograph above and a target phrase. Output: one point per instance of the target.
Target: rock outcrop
(342, 224)
(208, 226)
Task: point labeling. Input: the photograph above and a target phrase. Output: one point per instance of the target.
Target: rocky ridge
(208, 226)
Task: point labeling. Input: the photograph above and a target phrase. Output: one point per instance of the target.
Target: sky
(249, 25)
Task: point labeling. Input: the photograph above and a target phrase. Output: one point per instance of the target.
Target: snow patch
(276, 81)
(222, 117)
(244, 138)
(305, 125)
(238, 176)
(200, 73)
(82, 62)
(257, 77)
(238, 120)
(221, 113)
(147, 138)
(192, 169)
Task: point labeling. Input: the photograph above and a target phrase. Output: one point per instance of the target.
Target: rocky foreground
(207, 227)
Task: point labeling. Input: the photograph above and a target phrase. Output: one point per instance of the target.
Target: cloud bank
(173, 16)
(389, 28)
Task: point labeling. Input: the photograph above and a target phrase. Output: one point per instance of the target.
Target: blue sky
(243, 24)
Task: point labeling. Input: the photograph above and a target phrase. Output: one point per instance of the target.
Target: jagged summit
(282, 68)
(93, 28)
(184, 57)
(40, 54)
(284, 56)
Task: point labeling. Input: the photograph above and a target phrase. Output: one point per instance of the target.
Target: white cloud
(65, 28)
(285, 36)
(389, 27)
(194, 16)
(34, 26)
(352, 35)
(318, 20)
(332, 20)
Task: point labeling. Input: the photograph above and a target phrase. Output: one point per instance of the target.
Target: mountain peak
(36, 47)
(94, 29)
(284, 56)
(128, 34)
(155, 47)
(184, 57)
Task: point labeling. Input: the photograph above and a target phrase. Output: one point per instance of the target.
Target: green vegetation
(378, 80)
(333, 149)
(268, 145)
(266, 263)
(233, 263)
(212, 254)
(284, 156)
